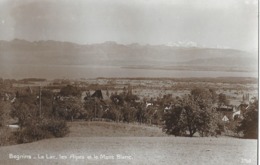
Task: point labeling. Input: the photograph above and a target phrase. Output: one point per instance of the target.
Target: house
(13, 100)
(243, 107)
(101, 101)
(7, 96)
(225, 119)
(148, 104)
(225, 108)
(226, 111)
(240, 110)
(237, 114)
(231, 112)
(97, 94)
(167, 109)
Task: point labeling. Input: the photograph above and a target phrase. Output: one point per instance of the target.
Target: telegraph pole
(95, 109)
(40, 91)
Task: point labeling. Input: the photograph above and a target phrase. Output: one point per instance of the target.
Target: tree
(41, 128)
(192, 113)
(204, 97)
(131, 98)
(117, 99)
(25, 109)
(34, 126)
(69, 109)
(112, 113)
(129, 114)
(214, 94)
(249, 125)
(174, 123)
(2, 117)
(5, 108)
(70, 90)
(94, 107)
(141, 114)
(222, 99)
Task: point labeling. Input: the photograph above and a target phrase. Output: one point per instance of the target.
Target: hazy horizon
(228, 28)
(217, 24)
(179, 44)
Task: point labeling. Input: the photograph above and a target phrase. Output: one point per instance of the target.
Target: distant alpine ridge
(111, 53)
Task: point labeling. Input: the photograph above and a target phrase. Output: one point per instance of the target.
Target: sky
(207, 23)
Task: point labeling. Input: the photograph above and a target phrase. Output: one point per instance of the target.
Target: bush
(70, 90)
(112, 114)
(30, 134)
(249, 125)
(6, 136)
(42, 129)
(5, 107)
(58, 128)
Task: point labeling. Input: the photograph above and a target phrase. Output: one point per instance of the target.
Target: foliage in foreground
(6, 136)
(249, 125)
(35, 125)
(42, 129)
(192, 113)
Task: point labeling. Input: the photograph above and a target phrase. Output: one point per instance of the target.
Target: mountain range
(110, 53)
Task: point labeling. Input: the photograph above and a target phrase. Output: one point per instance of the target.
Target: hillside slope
(111, 129)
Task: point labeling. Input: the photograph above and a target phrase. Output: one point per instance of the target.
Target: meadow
(135, 144)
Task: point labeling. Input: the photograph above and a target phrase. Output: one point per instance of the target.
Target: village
(127, 100)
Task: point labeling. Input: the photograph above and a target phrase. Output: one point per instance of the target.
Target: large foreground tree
(249, 124)
(192, 113)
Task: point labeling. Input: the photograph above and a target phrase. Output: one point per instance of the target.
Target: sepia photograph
(137, 82)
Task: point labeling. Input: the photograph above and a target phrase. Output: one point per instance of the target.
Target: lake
(18, 71)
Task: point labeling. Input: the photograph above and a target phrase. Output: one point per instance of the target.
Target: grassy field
(112, 143)
(111, 129)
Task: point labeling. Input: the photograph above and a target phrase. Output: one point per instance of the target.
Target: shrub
(113, 114)
(70, 90)
(6, 136)
(249, 125)
(42, 129)
(57, 128)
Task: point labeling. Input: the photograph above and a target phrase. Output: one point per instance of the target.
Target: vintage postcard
(129, 82)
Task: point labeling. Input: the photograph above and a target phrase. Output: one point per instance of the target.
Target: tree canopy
(192, 113)
(222, 99)
(249, 125)
(70, 90)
